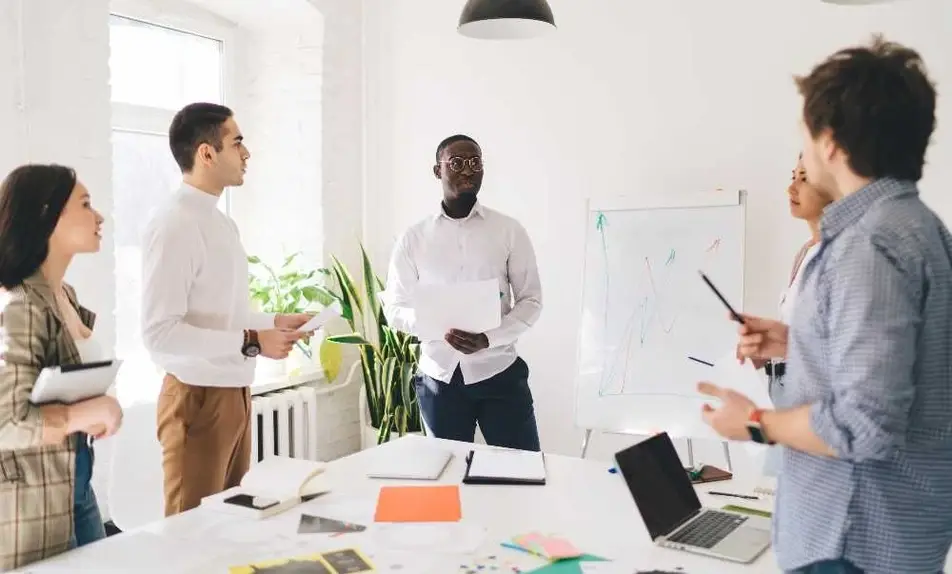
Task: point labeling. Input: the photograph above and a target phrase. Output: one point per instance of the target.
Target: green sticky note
(567, 566)
(746, 510)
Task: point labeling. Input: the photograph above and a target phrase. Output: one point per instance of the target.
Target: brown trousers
(206, 441)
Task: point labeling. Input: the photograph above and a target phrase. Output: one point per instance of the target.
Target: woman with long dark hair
(47, 504)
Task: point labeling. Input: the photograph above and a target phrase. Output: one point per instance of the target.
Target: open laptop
(672, 512)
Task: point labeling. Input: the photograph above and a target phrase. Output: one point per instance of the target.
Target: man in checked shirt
(866, 419)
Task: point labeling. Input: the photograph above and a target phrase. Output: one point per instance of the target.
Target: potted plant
(287, 289)
(388, 357)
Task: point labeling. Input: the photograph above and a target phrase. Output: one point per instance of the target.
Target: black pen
(703, 362)
(745, 496)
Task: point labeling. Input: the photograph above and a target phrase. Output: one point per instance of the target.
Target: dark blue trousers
(501, 405)
(829, 567)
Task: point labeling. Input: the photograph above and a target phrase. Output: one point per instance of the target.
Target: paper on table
(471, 306)
(317, 321)
(441, 537)
(507, 464)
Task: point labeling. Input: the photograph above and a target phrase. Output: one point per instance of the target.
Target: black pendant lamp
(505, 19)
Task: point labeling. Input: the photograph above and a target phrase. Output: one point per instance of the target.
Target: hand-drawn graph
(646, 311)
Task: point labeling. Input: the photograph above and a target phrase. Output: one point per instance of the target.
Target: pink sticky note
(559, 548)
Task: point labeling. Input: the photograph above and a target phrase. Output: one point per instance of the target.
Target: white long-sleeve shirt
(195, 298)
(484, 245)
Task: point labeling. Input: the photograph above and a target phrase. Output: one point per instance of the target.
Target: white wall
(626, 97)
(53, 60)
(278, 107)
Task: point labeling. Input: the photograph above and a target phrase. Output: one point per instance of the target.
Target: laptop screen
(658, 483)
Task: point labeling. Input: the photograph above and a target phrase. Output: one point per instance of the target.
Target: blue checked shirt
(870, 348)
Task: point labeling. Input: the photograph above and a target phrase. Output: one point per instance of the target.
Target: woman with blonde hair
(807, 204)
(47, 504)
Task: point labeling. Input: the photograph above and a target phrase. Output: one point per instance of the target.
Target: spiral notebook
(505, 467)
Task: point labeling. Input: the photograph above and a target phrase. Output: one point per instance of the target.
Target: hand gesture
(758, 363)
(729, 419)
(99, 417)
(467, 343)
(761, 339)
(277, 343)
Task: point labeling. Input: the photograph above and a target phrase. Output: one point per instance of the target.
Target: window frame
(180, 18)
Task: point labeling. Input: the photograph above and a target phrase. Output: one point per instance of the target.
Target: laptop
(673, 513)
(410, 462)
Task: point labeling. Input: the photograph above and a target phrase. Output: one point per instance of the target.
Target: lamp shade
(505, 19)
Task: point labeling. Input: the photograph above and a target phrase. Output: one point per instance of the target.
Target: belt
(775, 369)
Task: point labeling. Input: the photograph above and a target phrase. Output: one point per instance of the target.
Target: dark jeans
(828, 567)
(501, 405)
(87, 520)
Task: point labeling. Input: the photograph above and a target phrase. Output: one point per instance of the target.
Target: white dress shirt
(195, 300)
(788, 298)
(484, 245)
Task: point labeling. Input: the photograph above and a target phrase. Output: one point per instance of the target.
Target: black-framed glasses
(457, 163)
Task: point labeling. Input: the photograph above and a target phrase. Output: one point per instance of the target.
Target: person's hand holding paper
(740, 390)
(459, 313)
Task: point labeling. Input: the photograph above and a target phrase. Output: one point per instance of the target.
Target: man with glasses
(470, 378)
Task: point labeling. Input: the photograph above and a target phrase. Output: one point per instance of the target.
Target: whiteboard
(645, 309)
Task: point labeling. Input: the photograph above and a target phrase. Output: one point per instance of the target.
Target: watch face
(252, 350)
(756, 434)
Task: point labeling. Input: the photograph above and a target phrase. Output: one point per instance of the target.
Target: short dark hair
(451, 140)
(879, 105)
(32, 198)
(194, 125)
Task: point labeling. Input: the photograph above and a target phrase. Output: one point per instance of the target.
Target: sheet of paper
(507, 464)
(418, 504)
(317, 321)
(745, 379)
(461, 537)
(471, 306)
(321, 525)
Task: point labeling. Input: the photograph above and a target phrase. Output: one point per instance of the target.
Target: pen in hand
(744, 496)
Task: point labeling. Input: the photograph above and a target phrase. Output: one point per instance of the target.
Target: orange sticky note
(418, 504)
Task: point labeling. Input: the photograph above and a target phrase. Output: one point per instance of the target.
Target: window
(155, 70)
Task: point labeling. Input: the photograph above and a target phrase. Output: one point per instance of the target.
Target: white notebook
(269, 487)
(519, 465)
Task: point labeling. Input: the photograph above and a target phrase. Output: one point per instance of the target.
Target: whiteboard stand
(585, 439)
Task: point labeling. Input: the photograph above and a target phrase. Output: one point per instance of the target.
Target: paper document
(326, 314)
(517, 464)
(745, 379)
(471, 306)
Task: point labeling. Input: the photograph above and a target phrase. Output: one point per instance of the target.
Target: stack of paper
(561, 555)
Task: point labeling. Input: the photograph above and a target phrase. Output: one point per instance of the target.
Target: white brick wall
(54, 63)
(278, 107)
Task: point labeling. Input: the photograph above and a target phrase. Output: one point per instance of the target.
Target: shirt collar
(477, 210)
(199, 197)
(846, 211)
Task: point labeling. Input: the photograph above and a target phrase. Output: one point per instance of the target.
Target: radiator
(284, 423)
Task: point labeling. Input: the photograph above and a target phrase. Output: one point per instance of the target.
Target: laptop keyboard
(708, 529)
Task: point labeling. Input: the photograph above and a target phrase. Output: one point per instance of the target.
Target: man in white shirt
(197, 320)
(470, 378)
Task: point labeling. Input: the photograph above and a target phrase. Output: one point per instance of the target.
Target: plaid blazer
(36, 480)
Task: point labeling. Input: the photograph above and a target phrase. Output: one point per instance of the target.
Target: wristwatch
(756, 428)
(250, 346)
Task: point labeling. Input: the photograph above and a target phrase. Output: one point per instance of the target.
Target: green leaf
(352, 339)
(253, 260)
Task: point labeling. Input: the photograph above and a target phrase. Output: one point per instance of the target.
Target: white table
(582, 501)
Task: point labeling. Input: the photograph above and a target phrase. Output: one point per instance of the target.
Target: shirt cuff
(261, 321)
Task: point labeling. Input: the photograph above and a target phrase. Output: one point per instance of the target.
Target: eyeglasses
(457, 163)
